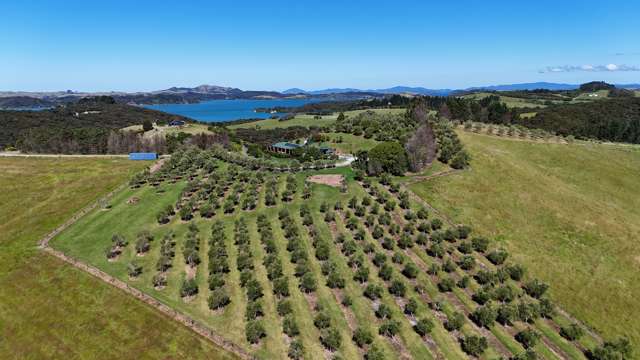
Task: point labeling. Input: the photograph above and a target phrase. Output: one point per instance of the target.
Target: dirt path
(147, 299)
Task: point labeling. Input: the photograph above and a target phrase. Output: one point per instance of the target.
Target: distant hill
(526, 86)
(188, 95)
(293, 91)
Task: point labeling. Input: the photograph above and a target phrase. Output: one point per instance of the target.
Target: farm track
(185, 320)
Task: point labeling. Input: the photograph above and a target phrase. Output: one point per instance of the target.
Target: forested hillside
(82, 127)
(613, 120)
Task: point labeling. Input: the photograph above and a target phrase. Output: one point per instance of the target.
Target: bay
(228, 110)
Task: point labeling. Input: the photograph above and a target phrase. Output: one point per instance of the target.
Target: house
(325, 150)
(143, 156)
(176, 123)
(283, 147)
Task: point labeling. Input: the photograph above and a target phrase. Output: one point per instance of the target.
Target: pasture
(569, 212)
(49, 309)
(306, 120)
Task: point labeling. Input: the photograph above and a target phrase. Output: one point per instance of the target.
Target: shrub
(474, 345)
(535, 288)
(373, 292)
(218, 299)
(118, 240)
(528, 312)
(484, 316)
(504, 293)
(465, 247)
(464, 282)
(334, 280)
(436, 250)
(189, 288)
(398, 258)
(308, 283)
(159, 280)
(507, 314)
(497, 257)
(480, 244)
(322, 320)
(289, 326)
(463, 231)
(216, 281)
(619, 349)
(446, 285)
(516, 272)
(454, 322)
(389, 328)
(571, 332)
(378, 232)
(383, 312)
(284, 307)
(386, 272)
(254, 290)
(460, 160)
(528, 338)
(482, 296)
(388, 244)
(423, 327)
(528, 354)
(436, 224)
(484, 277)
(296, 350)
(331, 339)
(362, 337)
(410, 271)
(347, 301)
(449, 266)
(411, 307)
(254, 331)
(254, 310)
(405, 241)
(375, 353)
(134, 269)
(379, 259)
(142, 245)
(361, 275)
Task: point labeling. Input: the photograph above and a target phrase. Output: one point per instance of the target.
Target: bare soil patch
(332, 179)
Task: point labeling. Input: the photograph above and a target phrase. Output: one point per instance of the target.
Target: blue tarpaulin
(143, 156)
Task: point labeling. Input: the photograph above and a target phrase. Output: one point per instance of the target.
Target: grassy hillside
(49, 309)
(570, 213)
(307, 120)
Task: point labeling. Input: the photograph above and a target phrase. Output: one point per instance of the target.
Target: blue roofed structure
(143, 156)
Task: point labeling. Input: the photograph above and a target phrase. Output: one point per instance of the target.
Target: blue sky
(149, 45)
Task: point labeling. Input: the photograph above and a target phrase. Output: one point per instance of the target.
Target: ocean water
(227, 110)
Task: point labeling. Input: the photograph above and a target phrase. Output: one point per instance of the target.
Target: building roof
(286, 145)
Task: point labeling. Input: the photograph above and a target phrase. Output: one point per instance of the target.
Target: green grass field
(48, 309)
(570, 213)
(511, 102)
(167, 130)
(306, 120)
(350, 144)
